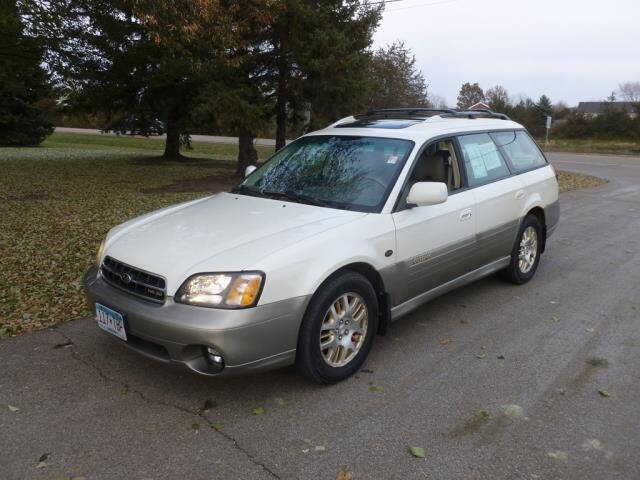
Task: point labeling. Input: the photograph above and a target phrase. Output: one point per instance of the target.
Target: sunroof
(379, 123)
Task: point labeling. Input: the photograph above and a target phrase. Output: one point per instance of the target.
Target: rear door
(499, 197)
(434, 243)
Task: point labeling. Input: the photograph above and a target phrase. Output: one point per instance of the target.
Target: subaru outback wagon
(325, 244)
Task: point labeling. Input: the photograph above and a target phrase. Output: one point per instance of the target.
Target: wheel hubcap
(344, 329)
(528, 249)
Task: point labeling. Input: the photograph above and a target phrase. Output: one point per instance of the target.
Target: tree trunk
(247, 154)
(281, 119)
(172, 144)
(281, 101)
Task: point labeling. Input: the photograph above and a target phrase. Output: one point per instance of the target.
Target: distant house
(593, 109)
(480, 106)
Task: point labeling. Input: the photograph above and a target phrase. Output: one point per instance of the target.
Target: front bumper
(252, 339)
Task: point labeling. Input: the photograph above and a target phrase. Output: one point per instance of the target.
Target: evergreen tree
(24, 85)
(396, 80)
(147, 58)
(469, 95)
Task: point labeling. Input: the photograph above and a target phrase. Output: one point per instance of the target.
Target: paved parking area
(492, 380)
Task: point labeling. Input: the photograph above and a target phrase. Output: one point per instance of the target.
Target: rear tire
(337, 331)
(525, 255)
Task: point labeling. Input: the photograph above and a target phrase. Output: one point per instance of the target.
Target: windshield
(352, 173)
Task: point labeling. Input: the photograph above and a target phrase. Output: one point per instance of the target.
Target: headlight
(99, 254)
(221, 290)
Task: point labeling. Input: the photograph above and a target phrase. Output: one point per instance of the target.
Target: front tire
(338, 329)
(525, 255)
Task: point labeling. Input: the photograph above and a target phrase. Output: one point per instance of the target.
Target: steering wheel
(375, 180)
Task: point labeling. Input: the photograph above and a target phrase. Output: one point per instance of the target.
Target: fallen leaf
(590, 330)
(280, 401)
(555, 319)
(258, 410)
(319, 448)
(481, 355)
(41, 465)
(13, 409)
(445, 341)
(344, 476)
(417, 452)
(217, 426)
(512, 411)
(500, 357)
(305, 450)
(375, 388)
(195, 427)
(124, 390)
(558, 455)
(43, 457)
(366, 370)
(553, 302)
(604, 393)
(306, 440)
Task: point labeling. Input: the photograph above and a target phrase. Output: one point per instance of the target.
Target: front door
(434, 243)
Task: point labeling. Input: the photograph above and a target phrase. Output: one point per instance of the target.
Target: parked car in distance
(325, 244)
(134, 125)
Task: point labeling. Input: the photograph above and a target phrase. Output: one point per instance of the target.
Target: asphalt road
(265, 142)
(493, 381)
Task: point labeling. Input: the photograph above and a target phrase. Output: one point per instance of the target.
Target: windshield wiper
(298, 197)
(248, 190)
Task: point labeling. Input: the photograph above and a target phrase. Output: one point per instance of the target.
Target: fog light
(214, 358)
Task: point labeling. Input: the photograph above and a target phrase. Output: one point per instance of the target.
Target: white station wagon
(325, 244)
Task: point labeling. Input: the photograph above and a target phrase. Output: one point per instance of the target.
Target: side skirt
(410, 305)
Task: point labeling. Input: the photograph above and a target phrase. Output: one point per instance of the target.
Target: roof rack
(430, 112)
(391, 112)
(478, 113)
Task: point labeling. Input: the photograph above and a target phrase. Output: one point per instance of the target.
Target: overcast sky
(571, 50)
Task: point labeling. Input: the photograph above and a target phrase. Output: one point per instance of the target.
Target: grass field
(58, 201)
(591, 146)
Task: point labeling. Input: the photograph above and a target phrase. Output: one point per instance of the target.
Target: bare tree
(630, 91)
(437, 101)
(498, 98)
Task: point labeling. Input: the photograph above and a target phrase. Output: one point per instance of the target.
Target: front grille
(133, 280)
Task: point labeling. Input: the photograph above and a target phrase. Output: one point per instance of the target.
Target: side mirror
(249, 170)
(428, 193)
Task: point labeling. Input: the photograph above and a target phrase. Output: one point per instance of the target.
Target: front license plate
(110, 321)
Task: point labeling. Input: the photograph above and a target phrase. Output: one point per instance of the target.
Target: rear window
(482, 160)
(522, 153)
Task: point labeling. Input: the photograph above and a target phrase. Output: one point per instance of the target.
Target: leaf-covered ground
(58, 201)
(573, 181)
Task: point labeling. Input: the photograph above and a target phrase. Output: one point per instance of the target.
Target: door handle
(465, 214)
(519, 194)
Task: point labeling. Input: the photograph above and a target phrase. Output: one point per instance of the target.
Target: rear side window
(482, 160)
(522, 153)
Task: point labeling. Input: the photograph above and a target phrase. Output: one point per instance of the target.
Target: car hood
(225, 232)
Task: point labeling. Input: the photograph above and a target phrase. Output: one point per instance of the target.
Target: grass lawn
(58, 201)
(591, 146)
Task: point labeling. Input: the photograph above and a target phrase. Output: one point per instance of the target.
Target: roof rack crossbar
(405, 111)
(475, 113)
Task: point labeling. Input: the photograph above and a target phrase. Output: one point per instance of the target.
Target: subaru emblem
(125, 277)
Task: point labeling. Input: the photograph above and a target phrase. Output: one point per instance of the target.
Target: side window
(438, 163)
(482, 160)
(522, 153)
